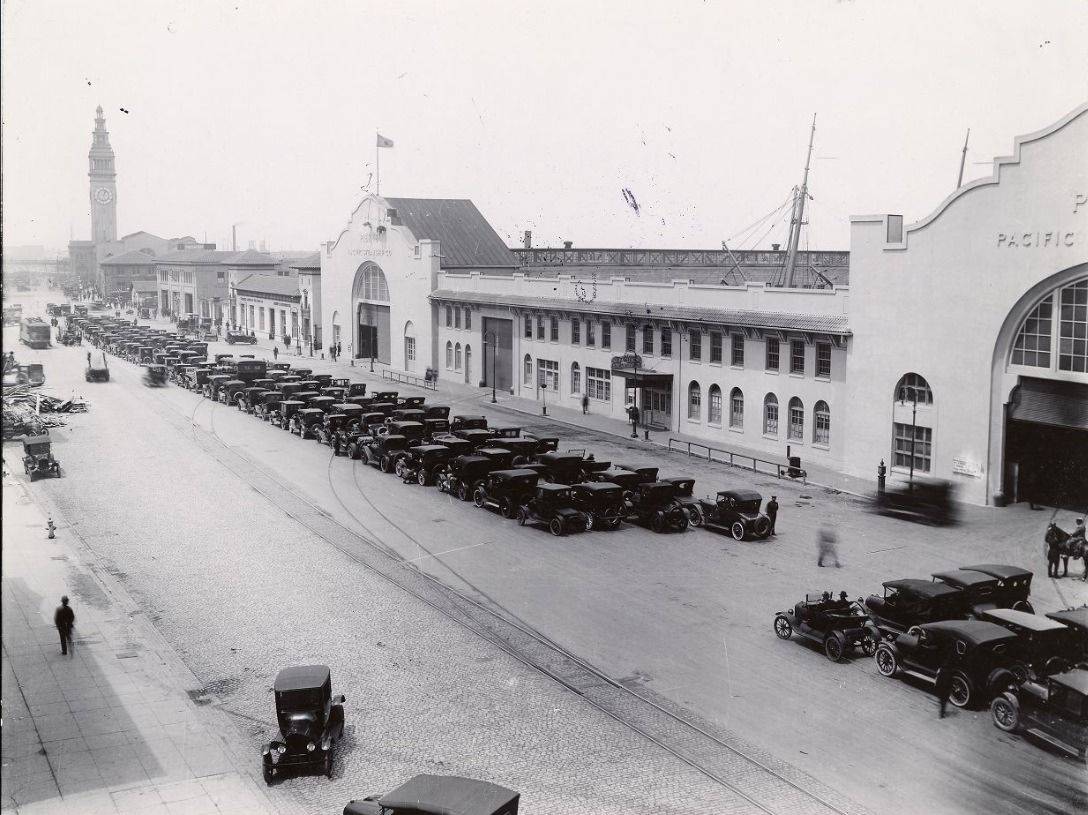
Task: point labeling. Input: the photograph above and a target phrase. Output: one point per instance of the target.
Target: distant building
(198, 281)
(308, 270)
(267, 303)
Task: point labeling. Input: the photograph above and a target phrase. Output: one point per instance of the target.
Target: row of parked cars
(977, 623)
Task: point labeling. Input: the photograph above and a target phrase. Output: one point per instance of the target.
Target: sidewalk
(116, 726)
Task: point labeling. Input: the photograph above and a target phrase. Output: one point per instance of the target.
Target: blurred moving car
(446, 794)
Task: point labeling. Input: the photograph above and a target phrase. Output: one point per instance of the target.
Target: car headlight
(282, 749)
(310, 747)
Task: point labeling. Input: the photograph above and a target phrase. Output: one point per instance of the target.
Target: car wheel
(868, 644)
(615, 523)
(1005, 711)
(443, 483)
(479, 498)
(782, 627)
(1023, 605)
(833, 646)
(328, 763)
(269, 774)
(589, 521)
(962, 692)
(401, 468)
(421, 477)
(682, 522)
(523, 517)
(353, 451)
(507, 508)
(763, 528)
(555, 526)
(385, 464)
(737, 530)
(657, 522)
(695, 517)
(886, 661)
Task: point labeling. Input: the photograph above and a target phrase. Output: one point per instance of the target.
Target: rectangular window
(738, 350)
(468, 318)
(528, 327)
(260, 318)
(647, 339)
(923, 447)
(457, 318)
(540, 327)
(715, 408)
(575, 331)
(823, 360)
(630, 344)
(797, 356)
(555, 329)
(666, 342)
(770, 418)
(449, 316)
(797, 422)
(599, 384)
(716, 346)
(772, 357)
(695, 343)
(606, 336)
(591, 337)
(220, 276)
(548, 373)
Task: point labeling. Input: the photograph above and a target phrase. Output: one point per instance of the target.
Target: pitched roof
(309, 263)
(739, 318)
(133, 257)
(269, 284)
(249, 257)
(468, 240)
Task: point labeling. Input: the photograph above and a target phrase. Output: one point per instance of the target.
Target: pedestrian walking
(339, 349)
(827, 546)
(632, 414)
(943, 688)
(772, 511)
(275, 352)
(64, 619)
(585, 403)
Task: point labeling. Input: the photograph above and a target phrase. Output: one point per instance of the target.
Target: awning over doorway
(1050, 402)
(629, 366)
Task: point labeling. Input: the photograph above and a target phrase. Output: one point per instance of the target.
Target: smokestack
(527, 241)
(568, 244)
(774, 246)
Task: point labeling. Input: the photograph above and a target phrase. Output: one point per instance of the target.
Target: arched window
(913, 388)
(821, 426)
(714, 407)
(468, 362)
(1056, 327)
(575, 378)
(770, 415)
(797, 419)
(449, 355)
(457, 357)
(370, 283)
(528, 369)
(912, 424)
(695, 401)
(736, 408)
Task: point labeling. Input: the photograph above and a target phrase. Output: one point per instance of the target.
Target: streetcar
(35, 332)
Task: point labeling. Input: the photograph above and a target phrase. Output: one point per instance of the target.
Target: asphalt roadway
(239, 581)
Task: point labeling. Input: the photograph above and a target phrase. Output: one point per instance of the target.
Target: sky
(640, 124)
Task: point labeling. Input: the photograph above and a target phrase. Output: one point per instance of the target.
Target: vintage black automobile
(446, 794)
(383, 451)
(458, 446)
(477, 437)
(685, 495)
(38, 456)
(1053, 710)
(433, 428)
(910, 602)
(411, 402)
(356, 389)
(248, 398)
(931, 502)
(500, 456)
(463, 474)
(337, 393)
(282, 419)
(1043, 646)
(981, 591)
(563, 468)
(835, 623)
(1014, 584)
(269, 406)
(626, 480)
(467, 423)
(602, 502)
(437, 412)
(323, 403)
(1076, 620)
(304, 421)
(233, 337)
(311, 722)
(523, 450)
(328, 430)
(413, 431)
(407, 415)
(227, 391)
(553, 506)
(655, 505)
(506, 490)
(155, 375)
(423, 463)
(981, 655)
(736, 511)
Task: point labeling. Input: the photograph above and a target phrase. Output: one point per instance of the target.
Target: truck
(13, 314)
(35, 332)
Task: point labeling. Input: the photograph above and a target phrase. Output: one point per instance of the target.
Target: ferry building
(951, 348)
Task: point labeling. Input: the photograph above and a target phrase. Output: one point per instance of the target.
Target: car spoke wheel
(657, 522)
(1005, 711)
(681, 522)
(886, 662)
(507, 508)
(695, 517)
(386, 464)
(523, 517)
(589, 522)
(401, 467)
(555, 526)
(328, 763)
(421, 477)
(869, 644)
(782, 627)
(833, 647)
(479, 498)
(737, 531)
(1023, 605)
(961, 694)
(353, 451)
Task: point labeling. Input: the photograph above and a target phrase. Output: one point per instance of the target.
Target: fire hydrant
(881, 476)
(51, 528)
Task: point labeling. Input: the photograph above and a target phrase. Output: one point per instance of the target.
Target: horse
(1064, 545)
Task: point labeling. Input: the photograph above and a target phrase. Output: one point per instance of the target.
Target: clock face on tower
(103, 195)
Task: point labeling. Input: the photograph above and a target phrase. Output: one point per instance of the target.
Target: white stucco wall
(935, 303)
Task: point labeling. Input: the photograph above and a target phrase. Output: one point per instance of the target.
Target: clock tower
(103, 177)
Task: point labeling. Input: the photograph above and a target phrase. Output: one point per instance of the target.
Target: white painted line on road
(450, 551)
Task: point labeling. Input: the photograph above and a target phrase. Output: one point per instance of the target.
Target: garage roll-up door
(1045, 401)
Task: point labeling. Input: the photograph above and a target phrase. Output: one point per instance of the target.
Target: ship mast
(798, 214)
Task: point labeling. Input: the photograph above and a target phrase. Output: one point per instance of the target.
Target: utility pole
(963, 159)
(798, 214)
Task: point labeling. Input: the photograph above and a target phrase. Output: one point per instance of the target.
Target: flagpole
(378, 164)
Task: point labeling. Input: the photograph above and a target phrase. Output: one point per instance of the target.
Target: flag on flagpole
(384, 142)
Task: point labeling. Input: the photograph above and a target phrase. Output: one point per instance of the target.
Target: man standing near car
(772, 511)
(943, 686)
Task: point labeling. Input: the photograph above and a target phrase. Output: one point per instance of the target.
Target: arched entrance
(370, 296)
(1041, 370)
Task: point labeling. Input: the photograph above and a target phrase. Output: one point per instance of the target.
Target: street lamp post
(913, 426)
